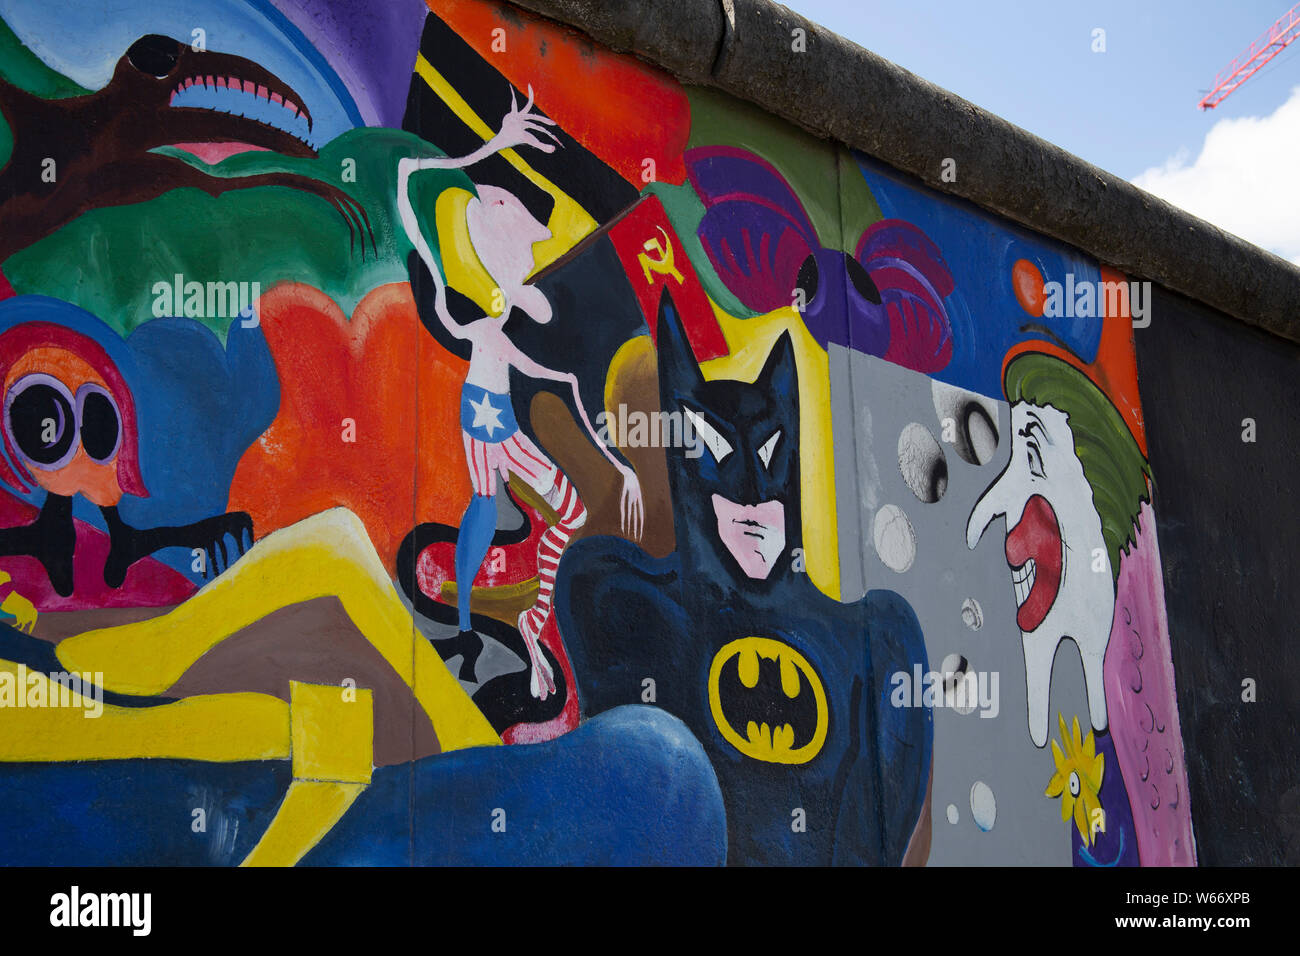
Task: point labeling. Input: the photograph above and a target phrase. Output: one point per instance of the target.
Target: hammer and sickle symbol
(663, 264)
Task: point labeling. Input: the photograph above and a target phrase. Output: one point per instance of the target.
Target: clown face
(1060, 566)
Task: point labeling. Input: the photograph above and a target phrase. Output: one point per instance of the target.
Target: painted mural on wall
(428, 438)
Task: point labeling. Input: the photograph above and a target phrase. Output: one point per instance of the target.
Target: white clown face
(1060, 567)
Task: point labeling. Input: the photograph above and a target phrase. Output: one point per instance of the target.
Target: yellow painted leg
(66, 725)
(328, 554)
(333, 750)
(310, 809)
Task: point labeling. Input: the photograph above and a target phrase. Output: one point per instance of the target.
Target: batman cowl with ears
(787, 689)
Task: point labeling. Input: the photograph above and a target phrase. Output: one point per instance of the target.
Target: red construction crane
(1274, 41)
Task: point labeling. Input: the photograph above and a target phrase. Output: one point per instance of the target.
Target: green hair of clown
(1113, 464)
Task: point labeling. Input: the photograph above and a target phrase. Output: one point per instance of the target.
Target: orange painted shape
(1027, 282)
(1114, 370)
(621, 109)
(380, 369)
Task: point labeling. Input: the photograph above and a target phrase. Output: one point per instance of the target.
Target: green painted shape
(684, 211)
(807, 163)
(822, 174)
(24, 69)
(109, 261)
(858, 207)
(6, 142)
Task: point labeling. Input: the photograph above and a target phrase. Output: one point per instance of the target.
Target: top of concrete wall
(839, 90)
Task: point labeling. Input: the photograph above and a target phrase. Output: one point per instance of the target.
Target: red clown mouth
(1035, 554)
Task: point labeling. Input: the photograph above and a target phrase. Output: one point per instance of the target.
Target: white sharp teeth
(1022, 578)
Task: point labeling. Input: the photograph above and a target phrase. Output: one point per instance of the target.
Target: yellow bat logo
(767, 701)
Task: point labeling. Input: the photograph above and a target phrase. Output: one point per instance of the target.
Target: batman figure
(786, 688)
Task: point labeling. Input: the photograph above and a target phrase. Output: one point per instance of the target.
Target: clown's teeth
(1022, 578)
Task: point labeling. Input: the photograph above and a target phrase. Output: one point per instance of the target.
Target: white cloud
(1246, 179)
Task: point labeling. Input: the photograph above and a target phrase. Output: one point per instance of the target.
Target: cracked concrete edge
(840, 91)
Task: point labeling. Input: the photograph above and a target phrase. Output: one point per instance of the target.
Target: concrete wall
(1226, 524)
(543, 455)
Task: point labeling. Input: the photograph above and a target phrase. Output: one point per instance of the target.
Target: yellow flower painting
(1077, 780)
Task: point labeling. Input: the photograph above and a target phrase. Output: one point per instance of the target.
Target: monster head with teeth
(162, 93)
(1070, 496)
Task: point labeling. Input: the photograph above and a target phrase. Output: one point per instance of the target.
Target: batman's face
(740, 474)
(768, 701)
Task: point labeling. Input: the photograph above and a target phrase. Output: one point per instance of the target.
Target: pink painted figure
(1139, 676)
(503, 233)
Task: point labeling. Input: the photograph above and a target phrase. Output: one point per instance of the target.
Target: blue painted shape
(630, 787)
(477, 526)
(199, 408)
(980, 251)
(136, 812)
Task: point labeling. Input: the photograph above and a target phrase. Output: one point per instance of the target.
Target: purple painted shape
(896, 240)
(837, 313)
(1115, 845)
(755, 252)
(757, 236)
(371, 46)
(913, 280)
(727, 173)
(920, 337)
(1142, 710)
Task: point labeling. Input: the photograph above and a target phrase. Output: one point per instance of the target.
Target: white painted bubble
(983, 805)
(922, 463)
(894, 538)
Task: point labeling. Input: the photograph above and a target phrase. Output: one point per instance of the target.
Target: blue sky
(1126, 110)
(1131, 110)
